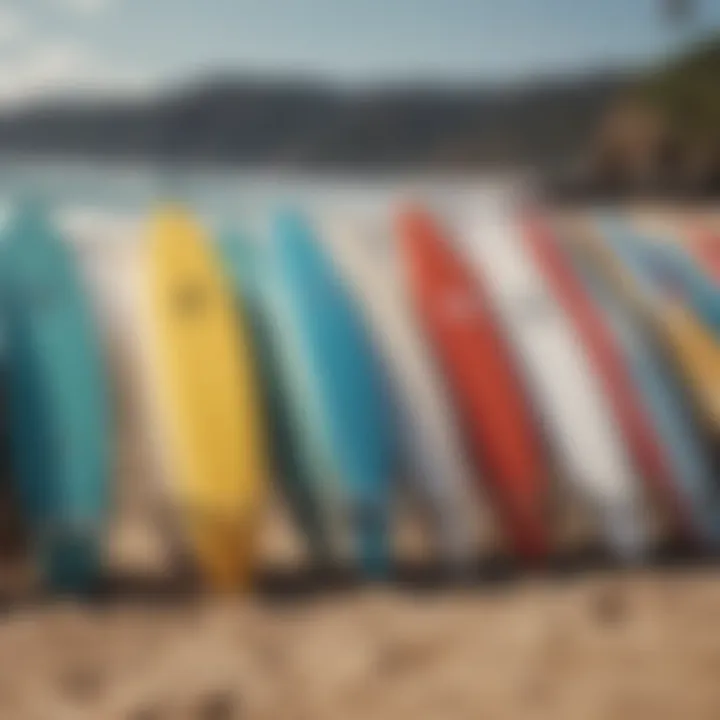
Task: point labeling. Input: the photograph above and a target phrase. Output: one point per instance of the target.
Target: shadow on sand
(303, 584)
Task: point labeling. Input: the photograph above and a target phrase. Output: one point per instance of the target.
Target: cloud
(85, 7)
(62, 69)
(12, 25)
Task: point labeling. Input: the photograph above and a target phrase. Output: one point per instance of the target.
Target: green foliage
(687, 93)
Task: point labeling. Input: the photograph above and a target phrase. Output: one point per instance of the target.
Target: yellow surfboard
(698, 355)
(207, 398)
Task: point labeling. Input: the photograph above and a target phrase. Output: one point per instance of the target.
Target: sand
(641, 645)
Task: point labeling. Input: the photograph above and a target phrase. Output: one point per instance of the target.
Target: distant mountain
(236, 120)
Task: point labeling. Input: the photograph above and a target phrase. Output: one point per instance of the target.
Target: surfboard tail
(374, 553)
(70, 561)
(628, 537)
(224, 549)
(529, 536)
(372, 528)
(456, 539)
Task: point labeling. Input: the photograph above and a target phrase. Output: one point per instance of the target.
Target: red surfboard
(453, 310)
(607, 358)
(705, 246)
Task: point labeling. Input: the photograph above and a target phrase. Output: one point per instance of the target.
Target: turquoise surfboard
(673, 422)
(58, 406)
(246, 269)
(12, 530)
(338, 392)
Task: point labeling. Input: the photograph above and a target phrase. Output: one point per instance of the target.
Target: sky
(60, 46)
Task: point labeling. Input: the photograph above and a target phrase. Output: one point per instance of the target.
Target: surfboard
(13, 531)
(695, 352)
(435, 462)
(207, 398)
(246, 268)
(705, 245)
(690, 468)
(454, 309)
(337, 392)
(678, 271)
(60, 430)
(530, 289)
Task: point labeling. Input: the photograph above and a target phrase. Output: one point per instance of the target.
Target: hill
(664, 132)
(301, 124)
(687, 93)
(658, 131)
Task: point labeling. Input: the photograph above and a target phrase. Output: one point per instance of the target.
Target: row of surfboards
(504, 359)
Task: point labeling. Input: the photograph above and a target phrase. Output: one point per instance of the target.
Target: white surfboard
(566, 391)
(434, 457)
(108, 249)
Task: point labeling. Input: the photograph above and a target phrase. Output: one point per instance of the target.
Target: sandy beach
(634, 646)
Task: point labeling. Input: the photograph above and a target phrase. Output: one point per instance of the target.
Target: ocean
(227, 195)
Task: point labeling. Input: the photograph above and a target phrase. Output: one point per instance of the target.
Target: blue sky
(60, 45)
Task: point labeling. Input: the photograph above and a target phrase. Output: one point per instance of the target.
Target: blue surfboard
(58, 404)
(342, 411)
(678, 271)
(649, 276)
(246, 269)
(672, 418)
(662, 268)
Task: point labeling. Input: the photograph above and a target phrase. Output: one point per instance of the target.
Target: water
(225, 195)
